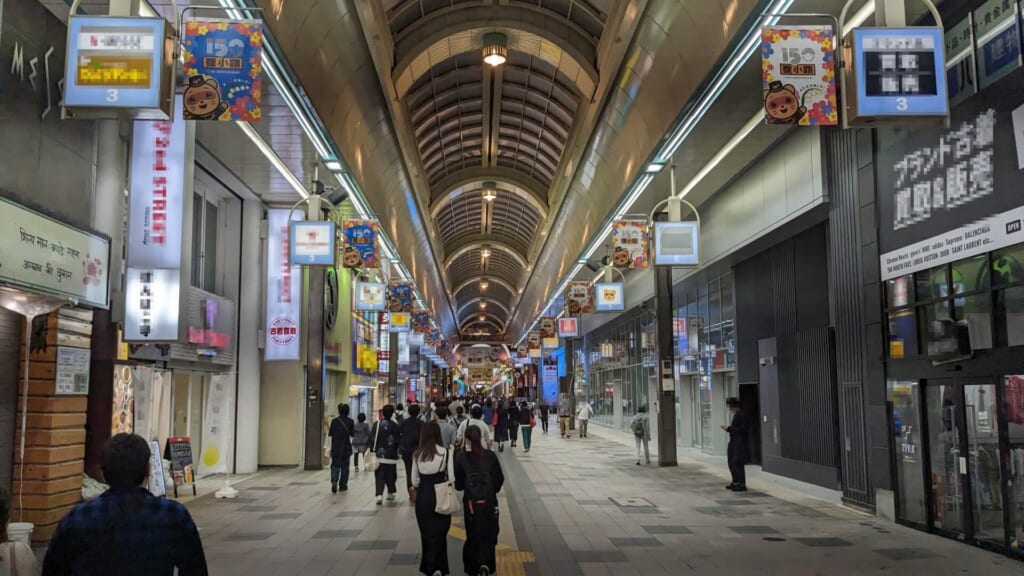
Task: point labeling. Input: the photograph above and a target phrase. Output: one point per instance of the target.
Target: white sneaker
(391, 497)
(380, 500)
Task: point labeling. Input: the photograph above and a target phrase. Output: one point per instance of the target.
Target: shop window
(902, 335)
(907, 439)
(1010, 316)
(931, 284)
(205, 226)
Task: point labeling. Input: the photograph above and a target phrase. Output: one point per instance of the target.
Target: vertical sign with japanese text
(284, 297)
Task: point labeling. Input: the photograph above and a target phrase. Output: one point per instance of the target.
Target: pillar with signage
(666, 409)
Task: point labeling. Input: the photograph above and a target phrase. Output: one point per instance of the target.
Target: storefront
(620, 360)
(952, 262)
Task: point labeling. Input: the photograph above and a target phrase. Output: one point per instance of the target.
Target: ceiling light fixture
(490, 191)
(333, 165)
(484, 284)
(495, 52)
(654, 168)
(486, 252)
(483, 305)
(482, 317)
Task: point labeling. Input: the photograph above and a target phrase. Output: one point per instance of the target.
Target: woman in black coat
(384, 440)
(478, 475)
(501, 427)
(513, 423)
(738, 452)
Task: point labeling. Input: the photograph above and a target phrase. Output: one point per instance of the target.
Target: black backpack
(478, 482)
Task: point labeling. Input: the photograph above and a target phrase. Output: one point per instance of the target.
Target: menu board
(179, 452)
(72, 370)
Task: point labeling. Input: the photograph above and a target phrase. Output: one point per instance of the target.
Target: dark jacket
(545, 410)
(513, 415)
(739, 447)
(341, 433)
(385, 445)
(410, 430)
(464, 465)
(524, 415)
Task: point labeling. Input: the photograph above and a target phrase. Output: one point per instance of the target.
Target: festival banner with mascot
(629, 244)
(360, 244)
(798, 76)
(223, 70)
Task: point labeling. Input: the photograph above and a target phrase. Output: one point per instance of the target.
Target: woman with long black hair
(478, 474)
(430, 465)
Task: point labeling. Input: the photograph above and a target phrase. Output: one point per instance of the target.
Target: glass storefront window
(1008, 266)
(1013, 400)
(983, 453)
(934, 319)
(902, 335)
(970, 275)
(944, 435)
(897, 292)
(932, 284)
(1009, 316)
(907, 431)
(976, 312)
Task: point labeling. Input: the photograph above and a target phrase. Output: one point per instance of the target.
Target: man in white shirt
(583, 417)
(476, 419)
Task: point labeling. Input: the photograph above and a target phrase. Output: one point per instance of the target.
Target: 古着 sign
(284, 291)
(798, 75)
(40, 253)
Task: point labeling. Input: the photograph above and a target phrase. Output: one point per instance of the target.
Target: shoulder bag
(370, 462)
(447, 500)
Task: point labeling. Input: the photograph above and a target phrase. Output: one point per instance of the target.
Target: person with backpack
(340, 435)
(431, 463)
(501, 424)
(410, 439)
(525, 422)
(641, 427)
(385, 438)
(478, 474)
(477, 421)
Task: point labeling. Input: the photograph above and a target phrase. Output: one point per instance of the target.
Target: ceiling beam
(475, 316)
(489, 299)
(490, 279)
(472, 243)
(520, 184)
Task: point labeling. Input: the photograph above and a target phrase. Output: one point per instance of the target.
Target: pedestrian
(738, 452)
(501, 424)
(340, 435)
(427, 415)
(460, 415)
(488, 416)
(448, 430)
(360, 438)
(384, 444)
(16, 555)
(526, 422)
(476, 420)
(430, 467)
(399, 413)
(410, 433)
(513, 422)
(545, 413)
(126, 530)
(641, 428)
(563, 420)
(583, 417)
(478, 474)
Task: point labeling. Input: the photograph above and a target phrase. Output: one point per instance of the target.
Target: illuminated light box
(568, 327)
(312, 242)
(371, 296)
(897, 76)
(609, 297)
(118, 67)
(676, 244)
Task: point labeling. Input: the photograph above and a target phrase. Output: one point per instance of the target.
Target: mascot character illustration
(352, 258)
(782, 104)
(621, 258)
(202, 99)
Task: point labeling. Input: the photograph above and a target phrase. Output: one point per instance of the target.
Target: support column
(315, 370)
(666, 407)
(250, 304)
(392, 387)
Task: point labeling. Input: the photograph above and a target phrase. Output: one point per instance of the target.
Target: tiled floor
(577, 507)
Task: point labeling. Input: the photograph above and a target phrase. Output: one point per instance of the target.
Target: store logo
(283, 331)
(1013, 227)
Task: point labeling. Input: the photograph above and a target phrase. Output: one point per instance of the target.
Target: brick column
(55, 432)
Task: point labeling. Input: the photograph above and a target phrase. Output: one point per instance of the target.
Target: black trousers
(739, 472)
(386, 476)
(544, 423)
(407, 460)
(481, 537)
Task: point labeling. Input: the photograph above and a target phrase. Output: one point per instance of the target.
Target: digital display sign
(900, 72)
(119, 63)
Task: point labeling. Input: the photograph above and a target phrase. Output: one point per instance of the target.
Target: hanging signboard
(43, 254)
(611, 296)
(548, 332)
(223, 70)
(72, 370)
(400, 297)
(156, 194)
(997, 32)
(579, 299)
(360, 244)
(371, 296)
(961, 78)
(676, 243)
(421, 322)
(798, 75)
(399, 322)
(629, 244)
(568, 327)
(312, 242)
(533, 344)
(151, 305)
(284, 296)
(118, 67)
(898, 74)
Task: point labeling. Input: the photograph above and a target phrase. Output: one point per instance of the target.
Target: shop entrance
(969, 484)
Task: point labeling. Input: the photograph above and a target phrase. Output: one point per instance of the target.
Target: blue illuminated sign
(311, 243)
(900, 72)
(116, 62)
(609, 297)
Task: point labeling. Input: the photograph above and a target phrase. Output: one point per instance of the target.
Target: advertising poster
(421, 322)
(216, 421)
(284, 295)
(72, 370)
(568, 327)
(549, 332)
(312, 242)
(400, 297)
(798, 75)
(123, 419)
(579, 299)
(223, 70)
(629, 244)
(360, 244)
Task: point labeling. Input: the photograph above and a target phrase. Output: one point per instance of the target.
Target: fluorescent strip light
(654, 167)
(333, 165)
(756, 120)
(273, 157)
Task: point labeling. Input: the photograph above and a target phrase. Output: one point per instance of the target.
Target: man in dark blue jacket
(342, 429)
(126, 530)
(410, 430)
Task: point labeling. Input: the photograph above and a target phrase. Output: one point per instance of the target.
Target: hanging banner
(223, 70)
(548, 332)
(284, 291)
(533, 344)
(399, 322)
(360, 244)
(629, 244)
(123, 419)
(568, 327)
(156, 470)
(216, 421)
(421, 322)
(400, 297)
(435, 338)
(579, 299)
(156, 194)
(798, 75)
